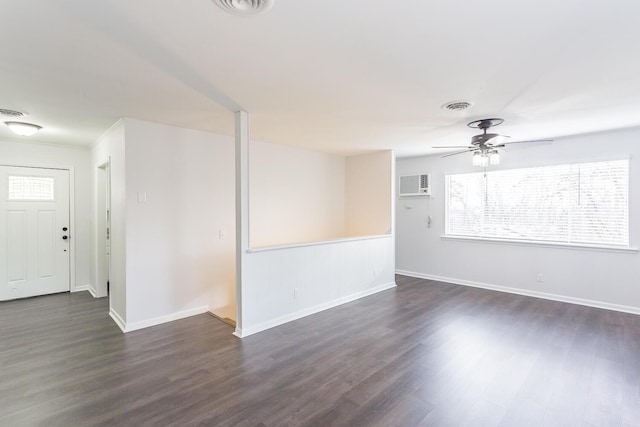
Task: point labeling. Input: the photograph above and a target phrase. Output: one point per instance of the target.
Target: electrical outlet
(540, 277)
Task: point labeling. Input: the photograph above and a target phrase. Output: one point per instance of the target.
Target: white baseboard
(128, 327)
(80, 288)
(119, 321)
(525, 292)
(87, 288)
(242, 333)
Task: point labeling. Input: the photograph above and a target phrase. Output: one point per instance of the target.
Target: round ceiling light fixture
(245, 7)
(23, 129)
(456, 105)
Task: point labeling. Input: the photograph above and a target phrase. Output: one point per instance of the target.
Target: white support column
(242, 207)
(394, 187)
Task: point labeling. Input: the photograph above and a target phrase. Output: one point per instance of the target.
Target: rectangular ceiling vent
(415, 185)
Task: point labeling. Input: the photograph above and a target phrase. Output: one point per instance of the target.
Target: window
(30, 188)
(585, 203)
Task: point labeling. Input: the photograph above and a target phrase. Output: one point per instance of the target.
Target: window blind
(585, 203)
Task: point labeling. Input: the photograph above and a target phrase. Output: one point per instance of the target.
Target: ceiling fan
(485, 145)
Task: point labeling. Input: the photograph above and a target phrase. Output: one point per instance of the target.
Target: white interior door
(34, 231)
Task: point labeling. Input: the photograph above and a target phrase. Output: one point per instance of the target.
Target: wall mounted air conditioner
(415, 185)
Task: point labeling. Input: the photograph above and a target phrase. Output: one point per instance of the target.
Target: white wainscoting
(284, 284)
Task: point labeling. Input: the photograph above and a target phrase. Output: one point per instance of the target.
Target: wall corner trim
(134, 326)
(107, 132)
(543, 295)
(118, 320)
(242, 333)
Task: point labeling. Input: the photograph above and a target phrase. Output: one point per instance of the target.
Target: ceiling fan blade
(497, 139)
(459, 152)
(453, 146)
(523, 142)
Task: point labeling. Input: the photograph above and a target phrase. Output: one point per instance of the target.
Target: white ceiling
(332, 75)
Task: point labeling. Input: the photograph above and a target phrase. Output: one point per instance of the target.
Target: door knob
(65, 237)
(64, 228)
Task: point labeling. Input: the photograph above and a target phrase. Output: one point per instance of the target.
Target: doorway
(103, 230)
(34, 231)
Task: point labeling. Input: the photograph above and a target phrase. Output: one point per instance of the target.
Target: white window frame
(32, 198)
(544, 243)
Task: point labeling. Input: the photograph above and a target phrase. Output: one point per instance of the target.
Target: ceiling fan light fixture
(484, 146)
(23, 129)
(484, 160)
(477, 161)
(494, 157)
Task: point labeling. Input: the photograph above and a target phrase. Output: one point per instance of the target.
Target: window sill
(557, 245)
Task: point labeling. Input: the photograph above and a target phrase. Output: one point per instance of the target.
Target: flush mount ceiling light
(245, 7)
(23, 129)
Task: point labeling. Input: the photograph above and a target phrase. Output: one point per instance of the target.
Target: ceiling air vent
(456, 105)
(11, 113)
(245, 7)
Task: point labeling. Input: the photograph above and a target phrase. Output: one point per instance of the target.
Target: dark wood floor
(425, 353)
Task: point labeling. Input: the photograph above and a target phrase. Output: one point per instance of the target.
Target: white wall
(175, 194)
(23, 153)
(606, 278)
(283, 284)
(369, 194)
(295, 195)
(177, 261)
(111, 148)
